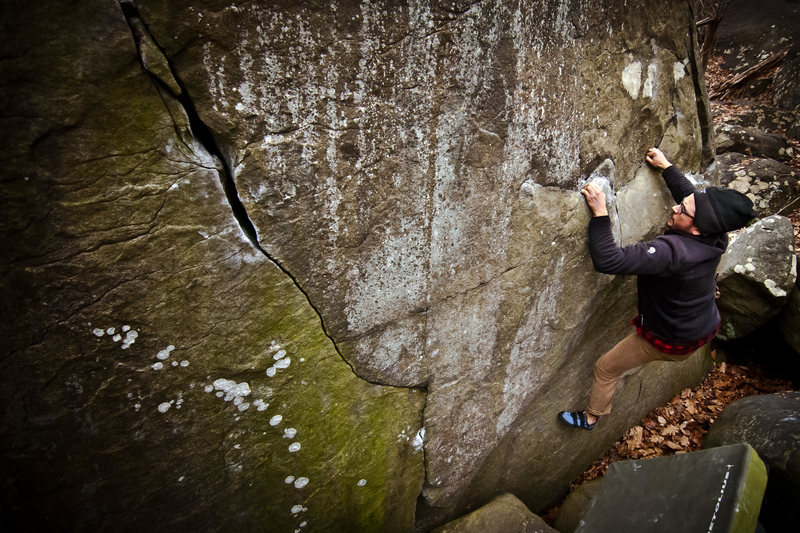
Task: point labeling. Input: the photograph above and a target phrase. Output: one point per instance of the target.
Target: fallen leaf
(670, 430)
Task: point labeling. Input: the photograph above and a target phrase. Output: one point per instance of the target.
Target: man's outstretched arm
(679, 186)
(607, 257)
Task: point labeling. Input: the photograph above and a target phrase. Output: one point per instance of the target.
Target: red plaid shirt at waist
(670, 347)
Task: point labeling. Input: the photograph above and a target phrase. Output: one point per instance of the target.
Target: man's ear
(695, 231)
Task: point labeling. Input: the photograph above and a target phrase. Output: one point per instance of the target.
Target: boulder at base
(576, 505)
(770, 184)
(756, 275)
(753, 142)
(504, 514)
(771, 425)
(789, 321)
(711, 490)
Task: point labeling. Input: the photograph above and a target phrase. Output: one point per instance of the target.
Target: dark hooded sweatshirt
(676, 273)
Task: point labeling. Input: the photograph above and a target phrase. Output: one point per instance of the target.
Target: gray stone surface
(771, 185)
(789, 320)
(386, 191)
(710, 490)
(763, 117)
(751, 31)
(752, 142)
(756, 275)
(159, 372)
(771, 425)
(786, 87)
(576, 505)
(411, 169)
(504, 514)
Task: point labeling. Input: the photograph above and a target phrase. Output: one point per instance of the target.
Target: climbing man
(676, 280)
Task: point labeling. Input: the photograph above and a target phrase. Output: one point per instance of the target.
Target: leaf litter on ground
(680, 425)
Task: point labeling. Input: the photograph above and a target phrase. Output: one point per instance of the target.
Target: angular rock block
(752, 142)
(770, 423)
(716, 490)
(504, 514)
(756, 275)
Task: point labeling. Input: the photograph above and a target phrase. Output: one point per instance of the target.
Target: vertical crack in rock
(155, 62)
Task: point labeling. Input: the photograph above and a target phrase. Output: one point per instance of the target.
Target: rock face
(159, 372)
(756, 276)
(357, 223)
(771, 425)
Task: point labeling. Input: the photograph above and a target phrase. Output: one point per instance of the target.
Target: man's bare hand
(595, 198)
(657, 158)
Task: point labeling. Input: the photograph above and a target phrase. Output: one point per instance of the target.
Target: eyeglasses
(682, 211)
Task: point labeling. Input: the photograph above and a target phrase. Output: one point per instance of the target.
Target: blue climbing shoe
(575, 419)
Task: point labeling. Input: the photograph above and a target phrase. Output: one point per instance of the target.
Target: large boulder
(771, 185)
(756, 276)
(752, 142)
(753, 31)
(356, 222)
(410, 169)
(771, 425)
(761, 117)
(750, 32)
(159, 371)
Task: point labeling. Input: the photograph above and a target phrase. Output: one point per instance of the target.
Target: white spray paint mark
(632, 79)
(678, 71)
(649, 89)
(719, 500)
(419, 440)
(130, 335)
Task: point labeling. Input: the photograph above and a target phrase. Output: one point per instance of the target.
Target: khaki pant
(630, 352)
